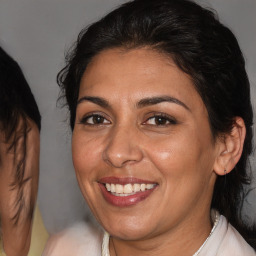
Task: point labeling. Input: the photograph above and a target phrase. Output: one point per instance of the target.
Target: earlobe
(230, 148)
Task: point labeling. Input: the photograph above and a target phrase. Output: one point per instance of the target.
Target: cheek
(85, 154)
(181, 155)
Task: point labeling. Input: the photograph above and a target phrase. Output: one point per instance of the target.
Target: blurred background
(37, 34)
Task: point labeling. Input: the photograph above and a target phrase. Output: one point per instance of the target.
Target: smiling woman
(161, 118)
(134, 145)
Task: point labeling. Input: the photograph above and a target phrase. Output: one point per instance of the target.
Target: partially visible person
(20, 124)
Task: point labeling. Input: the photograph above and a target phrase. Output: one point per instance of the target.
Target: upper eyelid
(160, 114)
(165, 117)
(91, 114)
(170, 120)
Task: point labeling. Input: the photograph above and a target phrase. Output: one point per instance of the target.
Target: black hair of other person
(17, 103)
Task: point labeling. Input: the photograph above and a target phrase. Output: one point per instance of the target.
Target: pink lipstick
(124, 192)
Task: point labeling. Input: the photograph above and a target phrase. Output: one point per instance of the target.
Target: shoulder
(226, 241)
(234, 244)
(80, 239)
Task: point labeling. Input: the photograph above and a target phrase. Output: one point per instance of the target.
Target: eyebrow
(142, 103)
(96, 100)
(160, 99)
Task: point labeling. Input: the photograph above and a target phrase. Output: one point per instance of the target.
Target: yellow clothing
(38, 238)
(39, 235)
(1, 248)
(1, 245)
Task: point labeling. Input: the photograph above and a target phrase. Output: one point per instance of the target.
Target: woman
(20, 123)
(161, 116)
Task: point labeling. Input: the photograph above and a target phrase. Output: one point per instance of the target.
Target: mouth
(124, 192)
(128, 189)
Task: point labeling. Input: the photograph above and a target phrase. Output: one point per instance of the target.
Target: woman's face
(142, 147)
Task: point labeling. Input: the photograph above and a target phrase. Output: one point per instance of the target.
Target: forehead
(137, 62)
(135, 73)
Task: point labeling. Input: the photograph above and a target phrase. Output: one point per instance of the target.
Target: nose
(122, 148)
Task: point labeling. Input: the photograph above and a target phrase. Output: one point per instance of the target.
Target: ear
(230, 148)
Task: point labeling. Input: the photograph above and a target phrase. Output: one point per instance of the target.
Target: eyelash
(166, 119)
(85, 119)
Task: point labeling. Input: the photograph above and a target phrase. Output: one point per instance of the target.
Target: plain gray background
(37, 33)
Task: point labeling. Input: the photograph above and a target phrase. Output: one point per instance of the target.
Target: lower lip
(123, 201)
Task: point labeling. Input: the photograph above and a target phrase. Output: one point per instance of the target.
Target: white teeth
(108, 186)
(113, 188)
(127, 189)
(136, 187)
(149, 186)
(119, 189)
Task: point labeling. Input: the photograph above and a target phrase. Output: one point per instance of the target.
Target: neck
(184, 239)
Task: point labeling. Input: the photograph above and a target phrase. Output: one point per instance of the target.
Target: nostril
(122, 146)
(122, 155)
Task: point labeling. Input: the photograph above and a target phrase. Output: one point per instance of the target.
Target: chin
(129, 228)
(129, 234)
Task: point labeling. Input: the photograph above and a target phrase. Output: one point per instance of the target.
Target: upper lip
(124, 180)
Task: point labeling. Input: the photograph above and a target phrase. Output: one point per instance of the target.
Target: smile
(123, 192)
(127, 189)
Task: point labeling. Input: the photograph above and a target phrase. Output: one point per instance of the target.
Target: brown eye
(160, 120)
(97, 119)
(94, 120)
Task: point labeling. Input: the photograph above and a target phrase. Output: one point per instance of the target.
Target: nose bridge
(122, 147)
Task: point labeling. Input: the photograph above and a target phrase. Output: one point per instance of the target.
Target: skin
(180, 154)
(16, 238)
